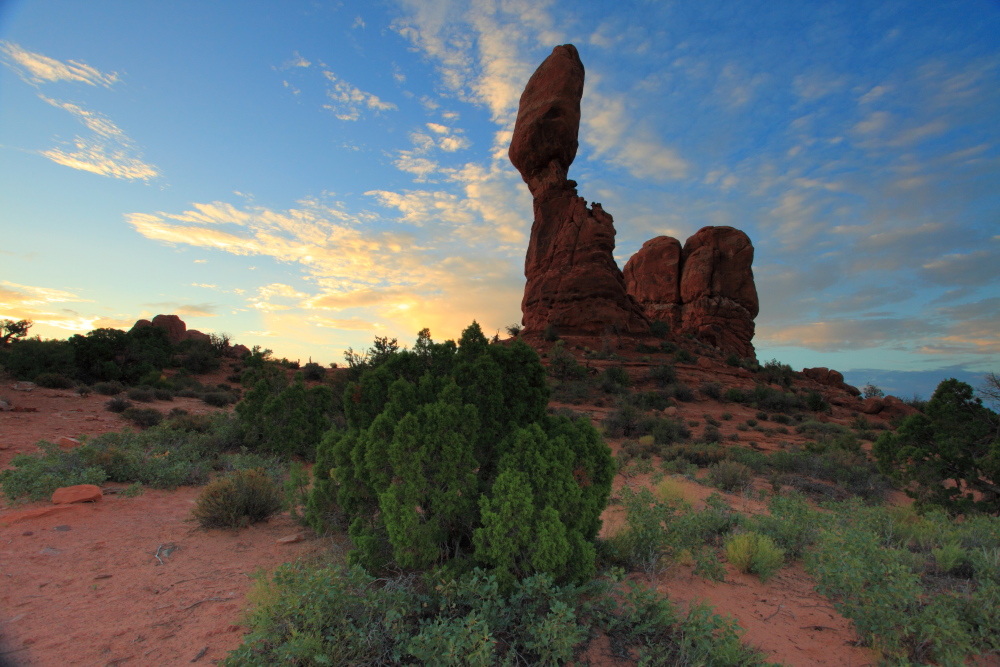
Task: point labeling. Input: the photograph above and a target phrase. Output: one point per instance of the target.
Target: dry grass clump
(239, 499)
(752, 552)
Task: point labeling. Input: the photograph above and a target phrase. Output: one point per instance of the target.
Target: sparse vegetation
(238, 499)
(751, 552)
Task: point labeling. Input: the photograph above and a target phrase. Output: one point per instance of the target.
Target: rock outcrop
(175, 327)
(705, 288)
(573, 281)
(81, 493)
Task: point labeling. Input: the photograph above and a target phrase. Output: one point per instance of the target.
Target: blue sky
(307, 175)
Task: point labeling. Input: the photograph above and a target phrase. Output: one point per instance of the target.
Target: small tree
(947, 453)
(872, 390)
(11, 330)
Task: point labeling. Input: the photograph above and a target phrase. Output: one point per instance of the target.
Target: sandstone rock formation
(573, 281)
(177, 330)
(706, 288)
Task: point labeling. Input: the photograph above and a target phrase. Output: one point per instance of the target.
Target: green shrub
(53, 381)
(118, 404)
(563, 365)
(200, 357)
(36, 477)
(313, 372)
(777, 372)
(337, 615)
(681, 392)
(711, 434)
(180, 420)
(84, 391)
(712, 390)
(141, 394)
(751, 552)
(730, 476)
(726, 416)
(551, 334)
(461, 432)
(163, 394)
(285, 419)
(699, 454)
(684, 357)
(238, 499)
(109, 388)
(623, 421)
(614, 379)
(948, 456)
(218, 399)
(659, 329)
(791, 524)
(143, 417)
(663, 374)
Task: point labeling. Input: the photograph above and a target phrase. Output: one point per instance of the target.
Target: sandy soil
(83, 586)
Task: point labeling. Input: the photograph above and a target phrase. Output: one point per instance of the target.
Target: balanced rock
(573, 281)
(194, 334)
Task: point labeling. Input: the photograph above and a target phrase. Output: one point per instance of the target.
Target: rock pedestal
(573, 281)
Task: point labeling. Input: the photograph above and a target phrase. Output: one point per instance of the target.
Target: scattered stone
(671, 411)
(28, 533)
(23, 386)
(704, 362)
(893, 407)
(81, 493)
(290, 539)
(103, 576)
(5, 406)
(24, 409)
(4, 447)
(62, 529)
(68, 443)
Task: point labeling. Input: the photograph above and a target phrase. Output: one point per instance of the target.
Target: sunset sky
(307, 175)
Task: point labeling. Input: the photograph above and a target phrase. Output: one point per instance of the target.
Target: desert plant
(872, 390)
(218, 399)
(237, 500)
(143, 417)
(53, 381)
(118, 404)
(84, 391)
(109, 388)
(751, 552)
(550, 333)
(684, 357)
(663, 374)
(944, 455)
(614, 379)
(659, 329)
(141, 394)
(514, 330)
(730, 476)
(313, 372)
(711, 390)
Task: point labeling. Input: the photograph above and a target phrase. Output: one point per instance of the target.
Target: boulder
(140, 324)
(291, 539)
(872, 406)
(68, 443)
(174, 325)
(238, 351)
(194, 334)
(653, 279)
(5, 406)
(81, 493)
(718, 290)
(851, 389)
(573, 282)
(894, 407)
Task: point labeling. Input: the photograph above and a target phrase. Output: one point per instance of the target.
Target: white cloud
(348, 102)
(108, 151)
(35, 68)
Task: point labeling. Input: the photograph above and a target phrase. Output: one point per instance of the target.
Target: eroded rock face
(653, 279)
(705, 288)
(573, 281)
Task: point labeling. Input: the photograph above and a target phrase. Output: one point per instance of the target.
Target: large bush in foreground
(449, 459)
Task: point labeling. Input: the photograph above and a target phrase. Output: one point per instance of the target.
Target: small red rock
(81, 493)
(68, 443)
(872, 406)
(290, 539)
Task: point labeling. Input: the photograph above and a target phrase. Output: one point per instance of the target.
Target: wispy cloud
(35, 68)
(108, 151)
(348, 102)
